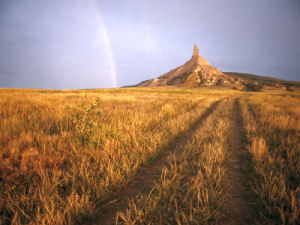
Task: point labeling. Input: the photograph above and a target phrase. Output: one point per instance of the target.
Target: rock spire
(194, 73)
(196, 51)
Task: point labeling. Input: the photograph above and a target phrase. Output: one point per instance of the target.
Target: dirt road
(240, 199)
(144, 180)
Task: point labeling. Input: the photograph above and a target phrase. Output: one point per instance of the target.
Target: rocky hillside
(194, 73)
(197, 72)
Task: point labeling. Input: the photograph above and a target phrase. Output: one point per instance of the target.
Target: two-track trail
(144, 180)
(240, 199)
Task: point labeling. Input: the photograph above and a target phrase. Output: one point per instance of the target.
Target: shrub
(85, 120)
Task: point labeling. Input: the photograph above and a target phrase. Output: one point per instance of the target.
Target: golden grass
(50, 176)
(62, 156)
(273, 133)
(191, 190)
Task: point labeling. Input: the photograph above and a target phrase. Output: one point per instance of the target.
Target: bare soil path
(240, 199)
(144, 180)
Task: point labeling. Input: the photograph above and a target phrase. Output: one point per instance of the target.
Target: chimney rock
(196, 51)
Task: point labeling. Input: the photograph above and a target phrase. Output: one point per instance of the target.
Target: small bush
(85, 119)
(252, 87)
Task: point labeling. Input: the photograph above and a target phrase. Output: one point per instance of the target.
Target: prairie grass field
(191, 190)
(67, 154)
(273, 135)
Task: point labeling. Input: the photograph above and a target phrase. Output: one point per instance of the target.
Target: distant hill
(197, 72)
(265, 80)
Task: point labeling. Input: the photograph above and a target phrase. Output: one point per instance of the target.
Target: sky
(78, 44)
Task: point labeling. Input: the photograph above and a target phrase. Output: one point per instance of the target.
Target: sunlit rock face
(195, 72)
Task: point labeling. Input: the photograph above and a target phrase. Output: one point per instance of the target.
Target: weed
(85, 120)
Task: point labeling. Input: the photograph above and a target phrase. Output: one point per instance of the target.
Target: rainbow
(113, 72)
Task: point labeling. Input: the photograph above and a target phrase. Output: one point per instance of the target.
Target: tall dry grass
(191, 190)
(50, 176)
(57, 171)
(272, 123)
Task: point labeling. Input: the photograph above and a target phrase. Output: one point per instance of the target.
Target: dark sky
(66, 44)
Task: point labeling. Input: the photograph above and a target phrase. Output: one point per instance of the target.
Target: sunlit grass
(53, 170)
(63, 154)
(273, 132)
(191, 190)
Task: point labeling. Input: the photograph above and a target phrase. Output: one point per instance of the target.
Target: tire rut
(240, 199)
(144, 180)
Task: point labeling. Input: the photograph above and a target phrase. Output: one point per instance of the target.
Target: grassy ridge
(262, 80)
(191, 190)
